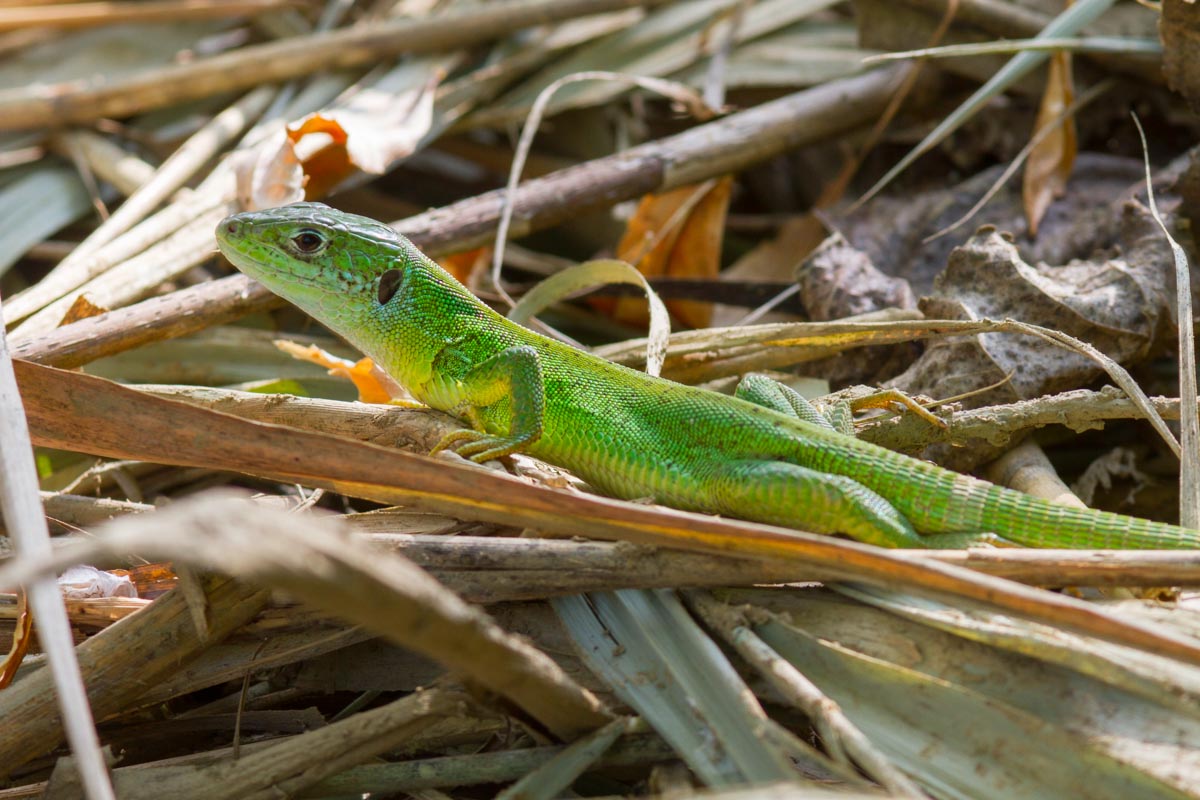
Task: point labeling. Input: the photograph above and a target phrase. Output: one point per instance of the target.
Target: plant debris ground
(232, 569)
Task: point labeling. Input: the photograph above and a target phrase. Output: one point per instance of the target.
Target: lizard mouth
(234, 248)
(305, 285)
(236, 243)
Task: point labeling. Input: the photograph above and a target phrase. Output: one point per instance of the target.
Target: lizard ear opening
(389, 283)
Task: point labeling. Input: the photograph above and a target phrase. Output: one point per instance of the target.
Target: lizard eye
(308, 241)
(389, 283)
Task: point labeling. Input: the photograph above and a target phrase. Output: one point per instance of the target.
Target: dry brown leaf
(697, 251)
(312, 156)
(677, 234)
(270, 175)
(654, 226)
(20, 641)
(838, 280)
(82, 308)
(1110, 303)
(1050, 162)
(1179, 28)
(373, 131)
(328, 165)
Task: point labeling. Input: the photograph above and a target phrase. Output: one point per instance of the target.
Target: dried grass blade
(21, 506)
(1189, 428)
(74, 411)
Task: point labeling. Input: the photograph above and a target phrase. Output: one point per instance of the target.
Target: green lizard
(763, 455)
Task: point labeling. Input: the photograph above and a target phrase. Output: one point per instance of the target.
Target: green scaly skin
(626, 433)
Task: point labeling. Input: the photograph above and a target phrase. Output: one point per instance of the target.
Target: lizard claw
(477, 446)
(450, 441)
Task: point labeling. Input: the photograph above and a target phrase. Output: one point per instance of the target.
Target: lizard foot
(481, 447)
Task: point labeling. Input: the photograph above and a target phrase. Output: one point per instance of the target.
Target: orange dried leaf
(466, 264)
(678, 234)
(373, 384)
(82, 308)
(317, 123)
(1050, 161)
(653, 228)
(151, 580)
(325, 169)
(372, 131)
(697, 251)
(325, 160)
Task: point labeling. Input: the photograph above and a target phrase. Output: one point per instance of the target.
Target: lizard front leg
(515, 373)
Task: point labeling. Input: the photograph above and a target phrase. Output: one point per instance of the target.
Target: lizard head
(335, 266)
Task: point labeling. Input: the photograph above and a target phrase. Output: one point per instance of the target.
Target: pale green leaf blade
(589, 275)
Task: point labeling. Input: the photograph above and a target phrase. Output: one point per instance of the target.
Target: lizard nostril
(231, 227)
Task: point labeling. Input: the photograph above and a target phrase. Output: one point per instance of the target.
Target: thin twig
(670, 89)
(247, 67)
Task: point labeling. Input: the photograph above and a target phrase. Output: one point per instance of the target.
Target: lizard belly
(634, 478)
(618, 457)
(444, 394)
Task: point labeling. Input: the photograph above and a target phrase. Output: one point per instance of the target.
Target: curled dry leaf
(1050, 162)
(269, 175)
(839, 280)
(372, 131)
(83, 581)
(1106, 303)
(304, 162)
(1118, 305)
